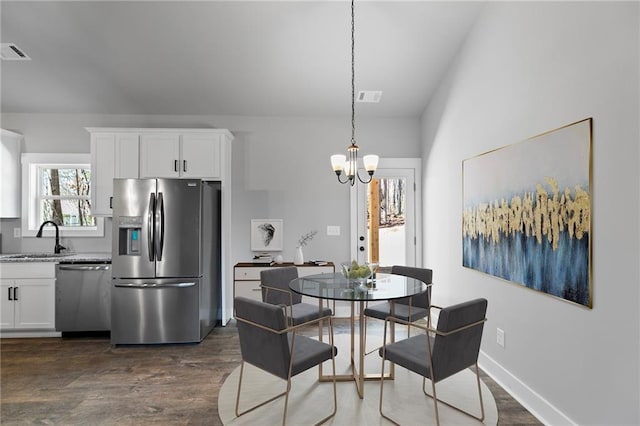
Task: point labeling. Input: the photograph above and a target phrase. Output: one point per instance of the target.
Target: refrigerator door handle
(156, 285)
(159, 226)
(150, 221)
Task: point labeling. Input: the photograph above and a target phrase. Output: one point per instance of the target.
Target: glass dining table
(384, 287)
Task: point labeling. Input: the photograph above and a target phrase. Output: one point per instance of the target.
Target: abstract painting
(266, 234)
(527, 213)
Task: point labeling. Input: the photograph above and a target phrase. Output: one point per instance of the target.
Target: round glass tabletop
(337, 287)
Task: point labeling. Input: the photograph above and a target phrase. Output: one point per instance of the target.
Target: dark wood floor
(82, 381)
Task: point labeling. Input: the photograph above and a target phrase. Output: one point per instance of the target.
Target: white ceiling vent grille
(372, 96)
(11, 52)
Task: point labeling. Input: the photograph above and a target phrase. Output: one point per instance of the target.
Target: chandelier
(347, 169)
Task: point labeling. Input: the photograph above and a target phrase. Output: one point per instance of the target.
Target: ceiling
(259, 58)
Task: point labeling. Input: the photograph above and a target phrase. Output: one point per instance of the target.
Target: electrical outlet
(16, 232)
(333, 230)
(500, 337)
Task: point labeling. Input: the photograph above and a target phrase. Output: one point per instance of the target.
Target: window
(57, 187)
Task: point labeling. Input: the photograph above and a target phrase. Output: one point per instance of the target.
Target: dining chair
(275, 290)
(439, 353)
(269, 343)
(408, 308)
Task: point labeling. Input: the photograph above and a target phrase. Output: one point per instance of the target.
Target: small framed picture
(266, 234)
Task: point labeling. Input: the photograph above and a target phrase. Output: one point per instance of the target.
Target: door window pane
(386, 220)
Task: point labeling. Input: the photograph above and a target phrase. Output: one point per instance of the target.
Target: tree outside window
(64, 195)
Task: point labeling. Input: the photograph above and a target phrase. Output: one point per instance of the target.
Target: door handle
(156, 285)
(150, 227)
(159, 219)
(110, 202)
(9, 293)
(175, 165)
(184, 165)
(15, 293)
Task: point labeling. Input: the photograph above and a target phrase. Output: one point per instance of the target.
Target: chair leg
(238, 413)
(481, 418)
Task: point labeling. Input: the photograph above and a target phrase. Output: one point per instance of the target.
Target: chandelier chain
(353, 76)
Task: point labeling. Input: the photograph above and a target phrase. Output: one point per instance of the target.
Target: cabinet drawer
(249, 289)
(313, 270)
(28, 270)
(248, 273)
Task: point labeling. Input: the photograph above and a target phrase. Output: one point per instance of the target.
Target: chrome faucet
(57, 247)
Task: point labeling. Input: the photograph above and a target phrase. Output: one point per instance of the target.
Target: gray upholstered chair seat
(402, 311)
(308, 353)
(410, 353)
(305, 312)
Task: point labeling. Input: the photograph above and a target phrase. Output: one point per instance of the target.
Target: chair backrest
(422, 300)
(264, 349)
(279, 278)
(459, 350)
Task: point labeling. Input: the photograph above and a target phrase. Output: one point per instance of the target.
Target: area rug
(310, 400)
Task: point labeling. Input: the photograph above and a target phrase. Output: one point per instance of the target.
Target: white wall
(281, 170)
(529, 67)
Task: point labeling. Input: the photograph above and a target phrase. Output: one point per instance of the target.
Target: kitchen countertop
(58, 258)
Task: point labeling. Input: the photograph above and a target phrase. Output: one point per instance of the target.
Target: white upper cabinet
(113, 155)
(200, 155)
(160, 155)
(180, 155)
(10, 150)
(155, 153)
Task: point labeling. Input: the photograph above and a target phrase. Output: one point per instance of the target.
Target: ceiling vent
(372, 96)
(11, 52)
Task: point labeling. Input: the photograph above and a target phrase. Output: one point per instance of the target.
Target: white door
(386, 215)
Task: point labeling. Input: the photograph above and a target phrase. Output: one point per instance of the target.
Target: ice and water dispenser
(129, 236)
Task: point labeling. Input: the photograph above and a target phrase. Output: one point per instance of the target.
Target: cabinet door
(200, 156)
(7, 306)
(127, 155)
(160, 155)
(10, 148)
(35, 304)
(102, 163)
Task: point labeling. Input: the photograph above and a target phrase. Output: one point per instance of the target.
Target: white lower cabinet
(28, 296)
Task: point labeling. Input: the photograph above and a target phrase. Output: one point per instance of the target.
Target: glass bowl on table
(360, 274)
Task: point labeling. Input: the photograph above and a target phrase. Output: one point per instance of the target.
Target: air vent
(11, 52)
(372, 96)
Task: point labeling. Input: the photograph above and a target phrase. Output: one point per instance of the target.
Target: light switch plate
(333, 230)
(16, 232)
(500, 337)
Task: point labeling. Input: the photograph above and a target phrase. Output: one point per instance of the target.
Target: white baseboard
(542, 409)
(21, 334)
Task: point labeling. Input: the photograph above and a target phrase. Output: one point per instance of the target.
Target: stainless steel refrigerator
(165, 260)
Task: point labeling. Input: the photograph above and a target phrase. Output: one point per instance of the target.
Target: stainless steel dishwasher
(83, 297)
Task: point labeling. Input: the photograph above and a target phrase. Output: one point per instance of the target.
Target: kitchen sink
(33, 255)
